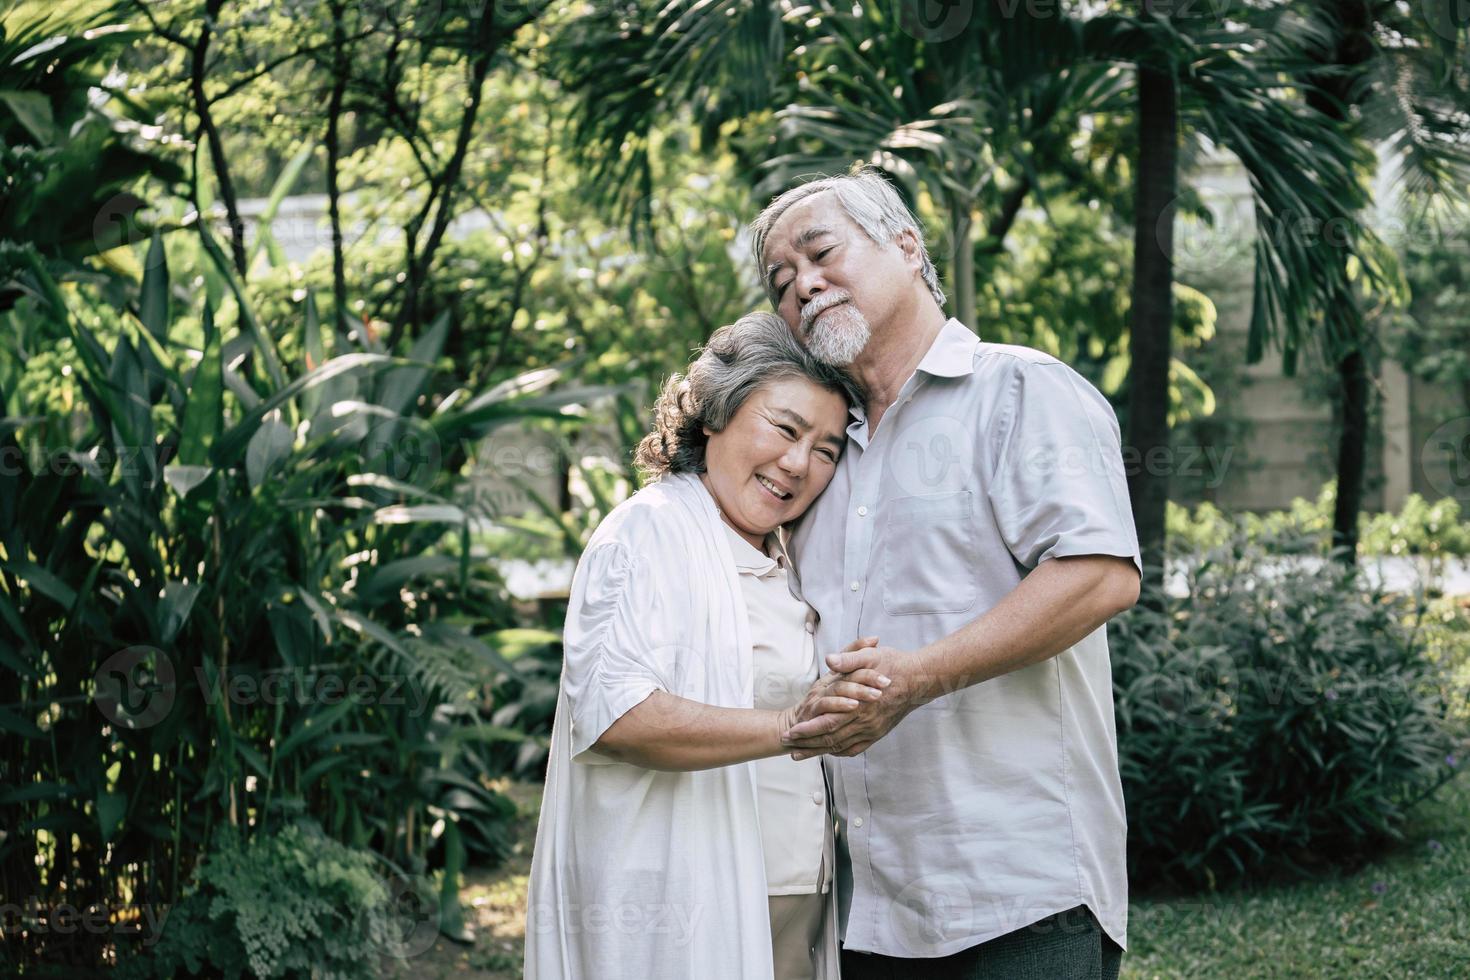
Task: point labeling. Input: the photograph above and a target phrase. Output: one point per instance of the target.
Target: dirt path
(494, 903)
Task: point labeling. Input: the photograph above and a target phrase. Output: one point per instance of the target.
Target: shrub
(1445, 630)
(1431, 530)
(291, 904)
(1280, 712)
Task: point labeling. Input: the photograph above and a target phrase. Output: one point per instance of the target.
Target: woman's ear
(707, 431)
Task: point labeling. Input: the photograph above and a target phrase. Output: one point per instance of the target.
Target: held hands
(836, 694)
(848, 724)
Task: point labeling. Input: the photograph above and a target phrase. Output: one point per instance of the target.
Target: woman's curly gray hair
(740, 359)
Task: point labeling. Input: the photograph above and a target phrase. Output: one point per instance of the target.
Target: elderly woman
(677, 839)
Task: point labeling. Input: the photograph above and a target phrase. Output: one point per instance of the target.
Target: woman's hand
(836, 693)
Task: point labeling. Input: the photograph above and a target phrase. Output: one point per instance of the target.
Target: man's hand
(852, 730)
(839, 693)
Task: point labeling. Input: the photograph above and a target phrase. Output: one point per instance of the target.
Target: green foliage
(1431, 338)
(69, 163)
(1280, 714)
(1434, 531)
(292, 559)
(291, 904)
(1445, 633)
(1399, 916)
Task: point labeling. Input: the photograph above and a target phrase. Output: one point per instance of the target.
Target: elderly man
(979, 525)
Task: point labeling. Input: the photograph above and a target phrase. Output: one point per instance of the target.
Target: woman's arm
(676, 734)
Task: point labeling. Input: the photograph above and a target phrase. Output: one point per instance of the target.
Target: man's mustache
(819, 305)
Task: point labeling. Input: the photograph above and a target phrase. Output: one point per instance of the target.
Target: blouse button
(857, 821)
(811, 627)
(817, 798)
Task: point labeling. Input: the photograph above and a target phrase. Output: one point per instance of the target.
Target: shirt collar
(950, 355)
(752, 560)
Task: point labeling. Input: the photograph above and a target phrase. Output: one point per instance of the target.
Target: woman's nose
(795, 460)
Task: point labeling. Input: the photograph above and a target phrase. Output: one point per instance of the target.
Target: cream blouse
(791, 797)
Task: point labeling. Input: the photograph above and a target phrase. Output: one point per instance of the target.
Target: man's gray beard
(838, 336)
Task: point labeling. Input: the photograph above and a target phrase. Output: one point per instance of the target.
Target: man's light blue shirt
(995, 806)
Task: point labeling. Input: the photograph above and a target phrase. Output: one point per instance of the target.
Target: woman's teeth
(772, 487)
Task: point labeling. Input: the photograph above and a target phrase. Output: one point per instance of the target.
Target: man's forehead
(821, 211)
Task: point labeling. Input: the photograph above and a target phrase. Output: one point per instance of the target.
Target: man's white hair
(869, 200)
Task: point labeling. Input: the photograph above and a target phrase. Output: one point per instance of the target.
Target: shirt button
(811, 627)
(817, 798)
(857, 821)
(854, 585)
(862, 512)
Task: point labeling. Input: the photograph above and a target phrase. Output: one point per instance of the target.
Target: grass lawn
(1405, 915)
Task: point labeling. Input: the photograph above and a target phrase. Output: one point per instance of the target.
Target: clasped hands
(847, 710)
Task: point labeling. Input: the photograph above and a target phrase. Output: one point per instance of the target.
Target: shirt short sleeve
(1058, 488)
(615, 657)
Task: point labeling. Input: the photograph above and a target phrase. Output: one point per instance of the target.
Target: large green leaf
(315, 726)
(311, 340)
(269, 447)
(16, 725)
(233, 441)
(153, 297)
(202, 412)
(112, 809)
(262, 340)
(34, 112)
(43, 582)
(401, 386)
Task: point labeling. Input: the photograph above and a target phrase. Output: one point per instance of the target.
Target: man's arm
(1061, 601)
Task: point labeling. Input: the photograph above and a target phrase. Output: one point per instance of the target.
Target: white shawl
(636, 873)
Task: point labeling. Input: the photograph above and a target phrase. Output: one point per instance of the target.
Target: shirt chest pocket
(931, 556)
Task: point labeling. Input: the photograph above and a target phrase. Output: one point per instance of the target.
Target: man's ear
(908, 243)
(707, 431)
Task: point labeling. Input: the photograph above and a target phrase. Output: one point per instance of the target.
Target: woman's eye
(787, 431)
(829, 455)
(824, 251)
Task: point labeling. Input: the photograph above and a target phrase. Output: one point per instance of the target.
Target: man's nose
(809, 282)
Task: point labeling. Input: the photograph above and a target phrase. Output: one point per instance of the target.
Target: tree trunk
(340, 69)
(219, 161)
(1152, 321)
(962, 263)
(1345, 55)
(1352, 374)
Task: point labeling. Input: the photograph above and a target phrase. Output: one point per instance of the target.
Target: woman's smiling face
(776, 455)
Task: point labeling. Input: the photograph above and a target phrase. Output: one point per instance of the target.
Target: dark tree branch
(1010, 207)
(334, 155)
(202, 107)
(440, 200)
(275, 63)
